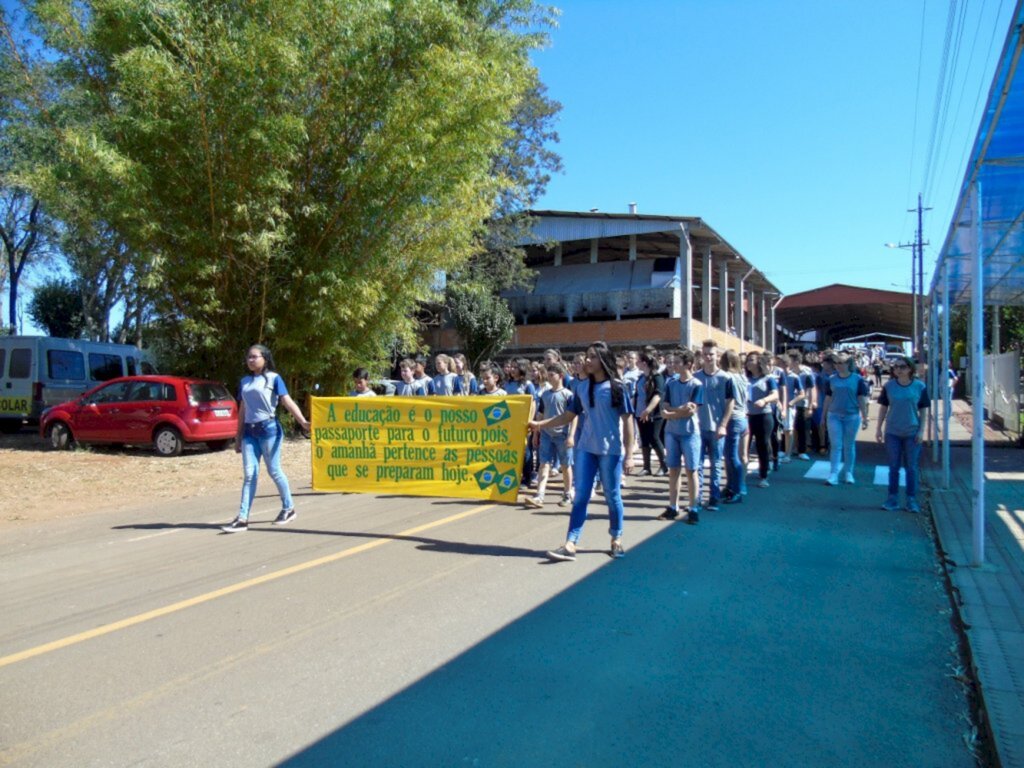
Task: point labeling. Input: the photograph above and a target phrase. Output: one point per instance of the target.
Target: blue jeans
(905, 452)
(586, 466)
(735, 472)
(842, 438)
(712, 446)
(267, 445)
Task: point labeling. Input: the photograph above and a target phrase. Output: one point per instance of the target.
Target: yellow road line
(131, 621)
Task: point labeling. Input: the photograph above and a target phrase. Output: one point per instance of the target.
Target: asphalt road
(804, 627)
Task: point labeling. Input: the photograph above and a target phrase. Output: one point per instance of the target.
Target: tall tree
(56, 307)
(297, 172)
(23, 224)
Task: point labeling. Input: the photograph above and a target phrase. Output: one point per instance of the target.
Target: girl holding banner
(605, 446)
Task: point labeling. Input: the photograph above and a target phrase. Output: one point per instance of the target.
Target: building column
(558, 255)
(705, 286)
(632, 247)
(977, 360)
(996, 330)
(685, 287)
(593, 250)
(763, 320)
(723, 295)
(771, 327)
(737, 309)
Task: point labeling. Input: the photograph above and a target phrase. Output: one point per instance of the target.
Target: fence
(1002, 390)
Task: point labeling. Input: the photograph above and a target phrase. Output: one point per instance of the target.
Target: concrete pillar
(977, 354)
(685, 262)
(996, 330)
(632, 247)
(558, 255)
(763, 321)
(738, 309)
(723, 295)
(593, 250)
(705, 286)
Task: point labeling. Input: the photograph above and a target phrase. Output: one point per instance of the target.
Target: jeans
(735, 472)
(268, 445)
(905, 452)
(586, 466)
(842, 438)
(712, 446)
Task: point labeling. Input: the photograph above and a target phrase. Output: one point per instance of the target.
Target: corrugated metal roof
(997, 166)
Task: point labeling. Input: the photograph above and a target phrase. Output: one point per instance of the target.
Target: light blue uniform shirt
(601, 433)
(677, 393)
(903, 402)
(844, 394)
(260, 394)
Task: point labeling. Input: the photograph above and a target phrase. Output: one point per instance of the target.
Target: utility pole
(916, 276)
(919, 292)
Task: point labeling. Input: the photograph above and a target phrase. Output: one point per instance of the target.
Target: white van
(39, 371)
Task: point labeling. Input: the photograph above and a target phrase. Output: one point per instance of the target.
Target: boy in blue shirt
(683, 397)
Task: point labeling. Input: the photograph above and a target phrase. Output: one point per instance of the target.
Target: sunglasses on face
(901, 365)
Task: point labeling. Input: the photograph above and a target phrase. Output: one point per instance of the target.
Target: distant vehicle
(166, 411)
(39, 371)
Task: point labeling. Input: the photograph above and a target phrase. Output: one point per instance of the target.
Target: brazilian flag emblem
(507, 481)
(487, 477)
(497, 412)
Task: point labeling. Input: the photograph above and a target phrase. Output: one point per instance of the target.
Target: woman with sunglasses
(904, 408)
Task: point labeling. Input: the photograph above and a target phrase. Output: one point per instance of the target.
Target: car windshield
(207, 392)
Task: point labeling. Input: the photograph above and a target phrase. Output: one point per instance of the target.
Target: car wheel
(59, 435)
(217, 445)
(167, 441)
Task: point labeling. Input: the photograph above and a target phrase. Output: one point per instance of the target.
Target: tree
(483, 320)
(297, 172)
(23, 225)
(56, 307)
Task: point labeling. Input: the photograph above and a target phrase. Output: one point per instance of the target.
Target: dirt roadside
(40, 484)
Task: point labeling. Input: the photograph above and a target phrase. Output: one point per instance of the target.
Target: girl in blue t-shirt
(605, 446)
(260, 434)
(762, 393)
(904, 409)
(845, 410)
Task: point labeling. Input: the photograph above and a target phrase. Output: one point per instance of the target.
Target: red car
(167, 411)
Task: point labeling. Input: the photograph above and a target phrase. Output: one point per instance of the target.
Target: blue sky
(798, 129)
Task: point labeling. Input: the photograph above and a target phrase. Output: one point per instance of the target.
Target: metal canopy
(996, 169)
(982, 259)
(838, 311)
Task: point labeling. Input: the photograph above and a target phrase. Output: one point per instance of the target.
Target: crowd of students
(691, 409)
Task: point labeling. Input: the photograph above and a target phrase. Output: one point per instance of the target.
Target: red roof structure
(839, 311)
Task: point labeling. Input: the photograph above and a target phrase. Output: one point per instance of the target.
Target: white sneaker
(784, 459)
(566, 500)
(804, 457)
(763, 484)
(848, 478)
(534, 502)
(832, 480)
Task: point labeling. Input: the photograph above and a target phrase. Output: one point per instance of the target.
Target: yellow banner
(465, 447)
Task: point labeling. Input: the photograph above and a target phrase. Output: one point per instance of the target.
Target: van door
(16, 389)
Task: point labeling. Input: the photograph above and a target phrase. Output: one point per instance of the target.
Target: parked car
(167, 411)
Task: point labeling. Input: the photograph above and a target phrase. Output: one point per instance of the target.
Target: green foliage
(56, 307)
(295, 173)
(483, 320)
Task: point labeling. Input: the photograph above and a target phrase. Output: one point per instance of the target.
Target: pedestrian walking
(845, 411)
(736, 432)
(650, 391)
(714, 415)
(260, 434)
(605, 446)
(763, 392)
(903, 411)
